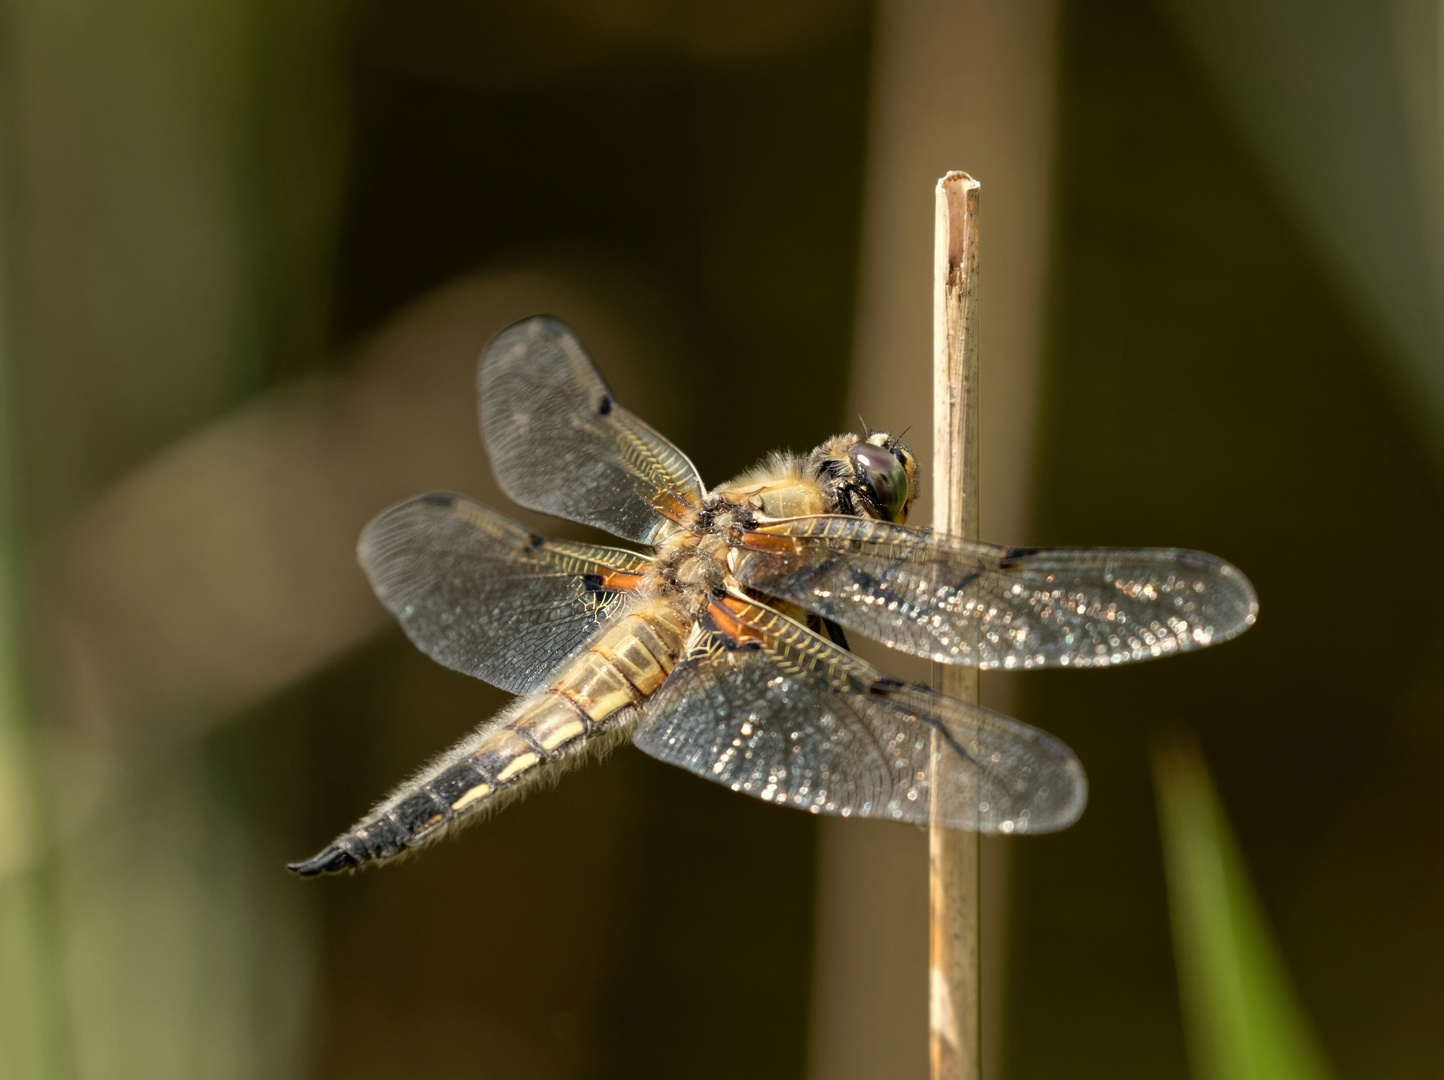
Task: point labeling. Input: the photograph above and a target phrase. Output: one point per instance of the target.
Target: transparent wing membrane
(480, 594)
(755, 701)
(962, 602)
(560, 444)
(786, 716)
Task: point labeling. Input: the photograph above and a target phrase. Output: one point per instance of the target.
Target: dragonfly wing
(560, 444)
(480, 594)
(763, 705)
(962, 602)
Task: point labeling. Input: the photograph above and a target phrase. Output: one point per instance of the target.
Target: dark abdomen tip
(333, 860)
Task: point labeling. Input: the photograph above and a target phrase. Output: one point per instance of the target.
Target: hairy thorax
(693, 564)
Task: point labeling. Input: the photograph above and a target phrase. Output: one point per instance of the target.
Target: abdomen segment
(588, 708)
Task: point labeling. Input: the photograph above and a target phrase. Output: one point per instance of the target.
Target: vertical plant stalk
(1241, 1014)
(955, 1013)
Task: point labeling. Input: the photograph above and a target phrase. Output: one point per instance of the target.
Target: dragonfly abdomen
(586, 709)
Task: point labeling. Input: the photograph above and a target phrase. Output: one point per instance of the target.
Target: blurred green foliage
(1242, 1018)
(33, 1032)
(1207, 386)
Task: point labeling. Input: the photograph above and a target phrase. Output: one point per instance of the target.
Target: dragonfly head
(875, 476)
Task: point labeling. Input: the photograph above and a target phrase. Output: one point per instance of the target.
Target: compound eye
(884, 476)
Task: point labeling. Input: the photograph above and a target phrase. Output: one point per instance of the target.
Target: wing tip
(1068, 813)
(516, 337)
(1243, 599)
(371, 535)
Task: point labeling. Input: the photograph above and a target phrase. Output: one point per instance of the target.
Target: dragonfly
(722, 648)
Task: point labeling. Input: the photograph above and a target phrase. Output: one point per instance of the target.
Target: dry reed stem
(955, 1014)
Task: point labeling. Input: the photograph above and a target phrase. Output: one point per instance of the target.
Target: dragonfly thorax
(691, 565)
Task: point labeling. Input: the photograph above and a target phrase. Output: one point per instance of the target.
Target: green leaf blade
(1240, 1012)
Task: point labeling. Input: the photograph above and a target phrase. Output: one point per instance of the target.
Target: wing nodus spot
(611, 581)
(1013, 554)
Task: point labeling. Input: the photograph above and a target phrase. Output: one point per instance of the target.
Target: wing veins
(959, 601)
(791, 718)
(481, 594)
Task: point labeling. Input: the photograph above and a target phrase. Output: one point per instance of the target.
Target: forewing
(960, 602)
(791, 718)
(560, 444)
(480, 594)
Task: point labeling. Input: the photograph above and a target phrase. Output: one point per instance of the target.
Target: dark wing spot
(835, 634)
(536, 540)
(604, 407)
(439, 499)
(885, 684)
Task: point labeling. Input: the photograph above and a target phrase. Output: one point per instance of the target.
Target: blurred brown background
(250, 253)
